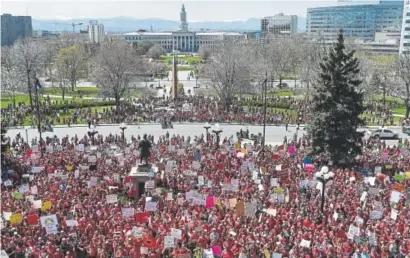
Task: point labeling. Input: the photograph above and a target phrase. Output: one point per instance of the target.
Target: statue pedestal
(139, 176)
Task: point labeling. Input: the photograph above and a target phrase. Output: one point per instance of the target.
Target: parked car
(406, 130)
(283, 85)
(384, 134)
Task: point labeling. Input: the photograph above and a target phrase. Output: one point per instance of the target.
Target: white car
(384, 134)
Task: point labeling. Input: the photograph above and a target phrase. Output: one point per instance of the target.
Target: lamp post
(37, 103)
(265, 86)
(324, 176)
(217, 131)
(123, 127)
(91, 133)
(207, 126)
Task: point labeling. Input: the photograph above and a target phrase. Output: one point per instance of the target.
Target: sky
(165, 9)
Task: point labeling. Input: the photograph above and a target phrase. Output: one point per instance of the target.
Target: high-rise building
(15, 27)
(360, 21)
(405, 29)
(280, 25)
(96, 32)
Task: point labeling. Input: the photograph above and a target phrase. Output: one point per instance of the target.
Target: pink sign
(217, 250)
(210, 202)
(310, 167)
(291, 149)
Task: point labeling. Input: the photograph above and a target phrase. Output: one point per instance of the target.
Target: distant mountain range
(126, 24)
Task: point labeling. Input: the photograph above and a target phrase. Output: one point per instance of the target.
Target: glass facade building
(359, 21)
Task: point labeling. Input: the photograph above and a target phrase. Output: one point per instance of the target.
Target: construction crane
(72, 24)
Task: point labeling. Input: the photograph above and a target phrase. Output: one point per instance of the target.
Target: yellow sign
(407, 175)
(237, 146)
(46, 206)
(278, 190)
(263, 170)
(16, 219)
(69, 168)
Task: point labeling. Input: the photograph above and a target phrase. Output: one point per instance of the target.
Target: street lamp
(265, 87)
(207, 126)
(217, 131)
(324, 176)
(91, 133)
(123, 127)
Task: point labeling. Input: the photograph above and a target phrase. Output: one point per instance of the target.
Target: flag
(149, 242)
(141, 217)
(37, 83)
(32, 219)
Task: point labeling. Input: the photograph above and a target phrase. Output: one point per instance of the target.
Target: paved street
(274, 134)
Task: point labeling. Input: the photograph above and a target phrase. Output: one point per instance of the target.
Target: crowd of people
(74, 197)
(280, 111)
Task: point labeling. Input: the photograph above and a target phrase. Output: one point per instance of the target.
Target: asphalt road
(274, 134)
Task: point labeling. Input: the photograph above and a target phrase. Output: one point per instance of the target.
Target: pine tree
(337, 106)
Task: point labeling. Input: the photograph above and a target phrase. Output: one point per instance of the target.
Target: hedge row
(269, 105)
(84, 104)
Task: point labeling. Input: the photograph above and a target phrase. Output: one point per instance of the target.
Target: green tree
(71, 63)
(337, 106)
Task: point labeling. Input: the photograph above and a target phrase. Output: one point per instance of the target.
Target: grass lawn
(388, 99)
(189, 59)
(5, 100)
(84, 91)
(399, 111)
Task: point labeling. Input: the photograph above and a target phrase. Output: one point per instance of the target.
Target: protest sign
(111, 198)
(50, 223)
(169, 242)
(150, 206)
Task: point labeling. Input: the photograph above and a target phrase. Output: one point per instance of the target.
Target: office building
(15, 27)
(280, 25)
(358, 20)
(405, 29)
(183, 40)
(96, 32)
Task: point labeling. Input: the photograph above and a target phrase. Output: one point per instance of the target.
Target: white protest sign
(201, 180)
(34, 190)
(274, 182)
(150, 206)
(50, 223)
(35, 170)
(71, 223)
(169, 242)
(24, 189)
(235, 184)
(169, 196)
(250, 209)
(375, 214)
(127, 212)
(92, 159)
(353, 231)
(80, 147)
(111, 198)
(177, 233)
(149, 184)
(394, 214)
(395, 196)
(37, 204)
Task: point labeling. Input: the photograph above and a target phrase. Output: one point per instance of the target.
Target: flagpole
(38, 115)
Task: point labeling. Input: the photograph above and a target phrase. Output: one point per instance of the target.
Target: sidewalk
(188, 123)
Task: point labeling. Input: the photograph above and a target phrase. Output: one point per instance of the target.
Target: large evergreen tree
(337, 106)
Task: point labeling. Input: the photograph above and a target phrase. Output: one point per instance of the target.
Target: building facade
(15, 27)
(183, 40)
(96, 32)
(359, 21)
(280, 25)
(405, 30)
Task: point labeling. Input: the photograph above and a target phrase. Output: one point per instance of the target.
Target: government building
(183, 40)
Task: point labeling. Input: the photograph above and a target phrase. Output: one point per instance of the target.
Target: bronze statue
(144, 146)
